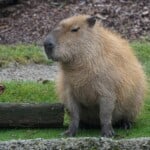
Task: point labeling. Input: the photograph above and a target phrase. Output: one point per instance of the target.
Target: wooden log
(31, 115)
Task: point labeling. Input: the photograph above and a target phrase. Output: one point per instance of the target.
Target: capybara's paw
(107, 131)
(124, 124)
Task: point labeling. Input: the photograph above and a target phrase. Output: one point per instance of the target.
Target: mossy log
(31, 115)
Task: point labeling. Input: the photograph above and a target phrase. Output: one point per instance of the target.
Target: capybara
(100, 82)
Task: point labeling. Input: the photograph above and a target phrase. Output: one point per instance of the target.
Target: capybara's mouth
(54, 58)
(49, 46)
(48, 53)
(51, 55)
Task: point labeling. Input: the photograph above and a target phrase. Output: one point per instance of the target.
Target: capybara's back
(101, 82)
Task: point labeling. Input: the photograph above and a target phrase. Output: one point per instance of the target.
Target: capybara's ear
(91, 21)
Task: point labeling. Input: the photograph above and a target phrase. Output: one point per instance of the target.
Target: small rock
(2, 88)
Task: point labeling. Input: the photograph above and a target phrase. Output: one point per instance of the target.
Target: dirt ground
(31, 20)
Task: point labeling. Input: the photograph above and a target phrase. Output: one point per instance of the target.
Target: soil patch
(31, 20)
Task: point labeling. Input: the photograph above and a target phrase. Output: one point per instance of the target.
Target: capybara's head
(70, 38)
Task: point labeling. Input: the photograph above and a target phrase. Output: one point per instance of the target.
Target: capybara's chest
(85, 95)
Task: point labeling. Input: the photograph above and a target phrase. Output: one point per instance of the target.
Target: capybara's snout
(49, 45)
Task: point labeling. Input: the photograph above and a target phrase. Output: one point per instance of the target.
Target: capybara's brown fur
(101, 81)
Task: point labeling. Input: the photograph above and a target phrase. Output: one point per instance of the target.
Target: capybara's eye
(75, 29)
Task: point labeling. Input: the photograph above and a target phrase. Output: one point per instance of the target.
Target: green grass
(9, 134)
(34, 92)
(22, 54)
(142, 50)
(29, 92)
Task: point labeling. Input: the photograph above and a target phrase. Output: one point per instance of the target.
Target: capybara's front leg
(73, 109)
(106, 110)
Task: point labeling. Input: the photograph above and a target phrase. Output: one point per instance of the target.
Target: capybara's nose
(48, 44)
